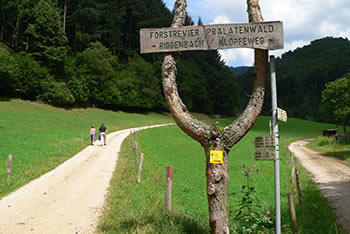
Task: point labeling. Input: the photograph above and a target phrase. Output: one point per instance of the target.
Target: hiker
(92, 134)
(103, 133)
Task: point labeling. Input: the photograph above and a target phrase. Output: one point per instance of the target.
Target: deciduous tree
(336, 100)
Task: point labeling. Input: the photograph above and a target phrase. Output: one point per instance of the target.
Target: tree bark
(209, 136)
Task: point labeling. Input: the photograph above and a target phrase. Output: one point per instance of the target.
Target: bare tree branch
(237, 130)
(190, 125)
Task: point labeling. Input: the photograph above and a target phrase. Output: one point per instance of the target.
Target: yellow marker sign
(216, 156)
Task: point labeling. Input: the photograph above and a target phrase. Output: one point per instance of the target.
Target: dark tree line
(86, 53)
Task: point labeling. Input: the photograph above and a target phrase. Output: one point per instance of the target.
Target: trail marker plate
(216, 156)
(263, 142)
(282, 115)
(265, 154)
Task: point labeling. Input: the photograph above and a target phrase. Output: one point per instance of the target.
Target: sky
(303, 21)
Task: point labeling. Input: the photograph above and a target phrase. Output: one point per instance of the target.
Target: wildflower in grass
(251, 217)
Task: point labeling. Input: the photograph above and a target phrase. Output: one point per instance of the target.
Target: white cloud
(345, 34)
(221, 19)
(238, 57)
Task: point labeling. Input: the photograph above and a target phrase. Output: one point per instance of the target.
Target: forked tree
(210, 136)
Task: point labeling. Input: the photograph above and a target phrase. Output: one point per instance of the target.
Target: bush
(323, 140)
(56, 93)
(9, 71)
(28, 85)
(139, 86)
(344, 140)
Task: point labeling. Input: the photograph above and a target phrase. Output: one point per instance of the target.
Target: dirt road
(67, 199)
(332, 177)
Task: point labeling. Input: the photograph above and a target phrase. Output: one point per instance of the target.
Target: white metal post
(275, 133)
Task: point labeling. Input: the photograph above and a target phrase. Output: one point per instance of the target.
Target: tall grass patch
(328, 146)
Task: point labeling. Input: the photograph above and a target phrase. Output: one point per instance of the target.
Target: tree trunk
(14, 36)
(209, 136)
(217, 181)
(64, 16)
(2, 25)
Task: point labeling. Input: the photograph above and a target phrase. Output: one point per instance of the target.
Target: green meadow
(140, 208)
(32, 133)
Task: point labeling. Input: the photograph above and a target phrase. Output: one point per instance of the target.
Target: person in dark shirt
(103, 133)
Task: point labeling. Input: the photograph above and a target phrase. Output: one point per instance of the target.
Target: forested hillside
(86, 53)
(302, 75)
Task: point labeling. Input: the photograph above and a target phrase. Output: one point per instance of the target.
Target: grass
(329, 147)
(133, 208)
(32, 132)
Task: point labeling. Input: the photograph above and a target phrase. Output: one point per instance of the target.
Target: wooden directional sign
(264, 35)
(281, 115)
(265, 154)
(263, 142)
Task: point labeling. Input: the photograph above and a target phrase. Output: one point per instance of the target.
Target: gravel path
(68, 199)
(332, 177)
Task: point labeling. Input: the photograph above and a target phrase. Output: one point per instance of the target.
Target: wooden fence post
(9, 166)
(168, 188)
(300, 195)
(292, 171)
(292, 213)
(140, 169)
(136, 149)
